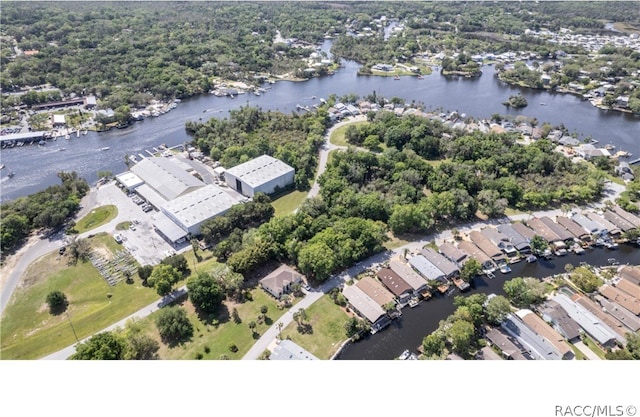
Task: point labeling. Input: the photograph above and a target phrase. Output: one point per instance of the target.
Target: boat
(490, 274)
(84, 132)
(78, 133)
(609, 147)
(67, 136)
(396, 77)
(11, 174)
(420, 77)
(62, 149)
(613, 261)
(505, 269)
(2, 166)
(414, 302)
(543, 104)
(106, 148)
(404, 355)
(610, 244)
(531, 259)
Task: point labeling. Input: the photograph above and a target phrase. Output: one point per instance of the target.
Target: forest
(48, 209)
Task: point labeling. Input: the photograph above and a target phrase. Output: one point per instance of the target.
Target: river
(417, 322)
(36, 167)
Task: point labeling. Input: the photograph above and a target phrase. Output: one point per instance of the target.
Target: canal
(36, 167)
(417, 322)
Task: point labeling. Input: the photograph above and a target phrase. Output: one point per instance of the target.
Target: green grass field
(327, 321)
(337, 136)
(97, 217)
(218, 337)
(288, 203)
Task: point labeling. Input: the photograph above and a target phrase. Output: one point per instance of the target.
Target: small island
(518, 101)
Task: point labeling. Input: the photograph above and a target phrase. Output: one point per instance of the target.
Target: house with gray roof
(427, 269)
(542, 329)
(606, 225)
(587, 224)
(449, 269)
(486, 246)
(623, 315)
(517, 240)
(594, 327)
(618, 220)
(415, 280)
(363, 304)
(574, 228)
(498, 338)
(553, 313)
(499, 239)
(452, 253)
(556, 228)
(606, 318)
(477, 254)
(281, 280)
(631, 218)
(537, 346)
(286, 350)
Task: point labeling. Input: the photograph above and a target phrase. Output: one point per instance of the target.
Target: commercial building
(263, 174)
(166, 178)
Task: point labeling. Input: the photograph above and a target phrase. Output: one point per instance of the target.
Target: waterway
(415, 323)
(36, 167)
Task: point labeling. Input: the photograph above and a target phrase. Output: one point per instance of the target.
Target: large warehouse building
(263, 174)
(166, 177)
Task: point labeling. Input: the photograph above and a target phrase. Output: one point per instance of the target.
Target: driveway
(586, 351)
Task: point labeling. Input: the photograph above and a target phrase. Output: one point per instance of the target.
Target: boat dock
(15, 138)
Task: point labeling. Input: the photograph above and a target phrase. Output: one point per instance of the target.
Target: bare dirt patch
(9, 263)
(43, 268)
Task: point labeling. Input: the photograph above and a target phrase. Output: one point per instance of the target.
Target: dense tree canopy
(103, 346)
(205, 293)
(174, 325)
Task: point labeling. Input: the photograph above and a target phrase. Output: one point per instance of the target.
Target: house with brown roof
(554, 314)
(618, 296)
(503, 342)
(486, 246)
(574, 228)
(280, 281)
(394, 282)
(607, 226)
(606, 319)
(623, 315)
(376, 291)
(562, 233)
(452, 253)
(629, 287)
(415, 280)
(630, 217)
(542, 329)
(630, 273)
(473, 251)
(543, 230)
(618, 220)
(523, 230)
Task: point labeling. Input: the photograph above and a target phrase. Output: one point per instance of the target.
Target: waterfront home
(537, 346)
(629, 287)
(415, 280)
(631, 218)
(556, 228)
(281, 281)
(626, 300)
(499, 239)
(542, 329)
(574, 228)
(553, 313)
(517, 240)
(452, 253)
(607, 319)
(630, 273)
(523, 230)
(365, 306)
(427, 269)
(592, 325)
(605, 225)
(475, 252)
(504, 343)
(587, 224)
(286, 350)
(449, 269)
(618, 220)
(623, 315)
(486, 246)
(394, 282)
(545, 232)
(376, 291)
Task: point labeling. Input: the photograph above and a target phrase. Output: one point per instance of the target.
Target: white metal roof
(166, 177)
(200, 205)
(129, 179)
(363, 303)
(167, 227)
(260, 170)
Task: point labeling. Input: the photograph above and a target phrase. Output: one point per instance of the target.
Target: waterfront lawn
(97, 217)
(212, 340)
(327, 322)
(337, 136)
(287, 203)
(29, 331)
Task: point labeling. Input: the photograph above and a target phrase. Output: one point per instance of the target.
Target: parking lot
(144, 243)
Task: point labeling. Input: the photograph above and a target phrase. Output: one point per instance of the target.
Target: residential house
(427, 269)
(449, 269)
(537, 346)
(286, 350)
(626, 300)
(553, 313)
(486, 246)
(542, 329)
(574, 228)
(556, 228)
(394, 282)
(587, 224)
(591, 324)
(618, 220)
(605, 225)
(623, 315)
(498, 338)
(630, 273)
(517, 240)
(452, 253)
(280, 281)
(631, 218)
(376, 291)
(629, 287)
(365, 306)
(473, 251)
(415, 280)
(606, 318)
(501, 240)
(523, 230)
(544, 231)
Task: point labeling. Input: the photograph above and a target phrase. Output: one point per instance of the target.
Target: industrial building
(263, 174)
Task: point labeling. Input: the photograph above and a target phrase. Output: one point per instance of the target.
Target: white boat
(531, 258)
(67, 136)
(404, 355)
(84, 132)
(106, 148)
